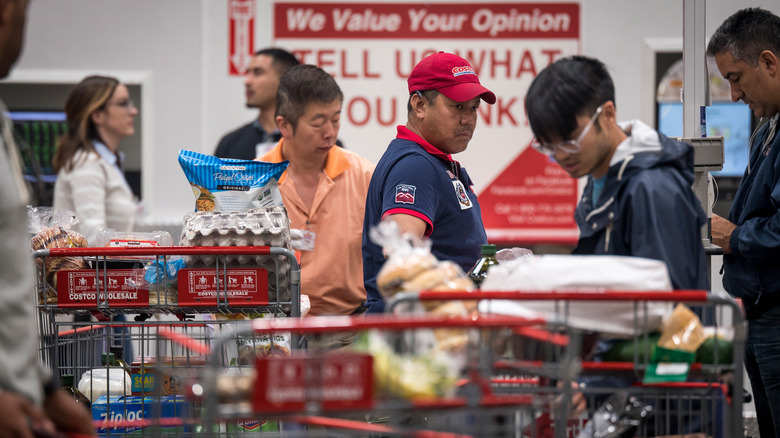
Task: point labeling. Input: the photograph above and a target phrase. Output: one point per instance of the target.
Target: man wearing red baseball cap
(416, 183)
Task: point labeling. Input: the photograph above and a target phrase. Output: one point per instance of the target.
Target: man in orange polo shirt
(324, 190)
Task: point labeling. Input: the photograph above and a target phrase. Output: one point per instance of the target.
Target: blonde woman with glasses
(90, 180)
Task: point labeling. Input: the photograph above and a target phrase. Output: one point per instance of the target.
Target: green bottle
(108, 359)
(118, 353)
(478, 273)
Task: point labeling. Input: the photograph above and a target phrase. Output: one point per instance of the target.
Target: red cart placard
(124, 288)
(245, 287)
(337, 381)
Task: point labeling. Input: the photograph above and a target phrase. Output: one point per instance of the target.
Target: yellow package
(682, 331)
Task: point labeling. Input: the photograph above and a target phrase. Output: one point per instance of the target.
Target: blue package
(115, 408)
(159, 272)
(228, 185)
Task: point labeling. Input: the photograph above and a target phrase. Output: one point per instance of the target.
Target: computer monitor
(37, 132)
(731, 120)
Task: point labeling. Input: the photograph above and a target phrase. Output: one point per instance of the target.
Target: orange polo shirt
(331, 274)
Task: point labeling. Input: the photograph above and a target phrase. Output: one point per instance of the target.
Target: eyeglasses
(568, 146)
(127, 104)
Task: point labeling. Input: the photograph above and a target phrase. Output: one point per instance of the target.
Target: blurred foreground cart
(397, 380)
(702, 403)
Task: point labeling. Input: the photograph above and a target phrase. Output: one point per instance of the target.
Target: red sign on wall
(241, 25)
(532, 200)
(370, 48)
(427, 20)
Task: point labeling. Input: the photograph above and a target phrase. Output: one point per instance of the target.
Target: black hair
(746, 34)
(282, 59)
(302, 85)
(429, 95)
(568, 88)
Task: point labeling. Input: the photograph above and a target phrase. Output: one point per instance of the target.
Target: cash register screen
(732, 120)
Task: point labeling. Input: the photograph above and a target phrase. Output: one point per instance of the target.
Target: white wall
(178, 50)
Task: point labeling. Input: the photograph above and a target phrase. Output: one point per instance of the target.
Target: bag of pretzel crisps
(52, 229)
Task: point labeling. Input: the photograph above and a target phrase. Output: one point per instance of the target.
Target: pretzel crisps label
(231, 185)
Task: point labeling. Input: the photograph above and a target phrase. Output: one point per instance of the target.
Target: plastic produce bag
(410, 266)
(682, 330)
(52, 229)
(512, 254)
(408, 376)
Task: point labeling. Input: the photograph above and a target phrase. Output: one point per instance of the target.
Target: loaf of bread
(396, 271)
(56, 237)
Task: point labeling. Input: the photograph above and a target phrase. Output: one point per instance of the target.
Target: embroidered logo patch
(404, 194)
(450, 174)
(463, 197)
(463, 70)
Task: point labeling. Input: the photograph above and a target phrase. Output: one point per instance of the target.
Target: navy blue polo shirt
(415, 178)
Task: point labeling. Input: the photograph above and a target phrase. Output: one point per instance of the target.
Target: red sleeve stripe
(417, 214)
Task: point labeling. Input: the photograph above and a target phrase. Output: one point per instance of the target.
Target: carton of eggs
(267, 226)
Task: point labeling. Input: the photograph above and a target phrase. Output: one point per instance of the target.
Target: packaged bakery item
(274, 345)
(682, 330)
(231, 185)
(406, 258)
(410, 267)
(52, 229)
(111, 238)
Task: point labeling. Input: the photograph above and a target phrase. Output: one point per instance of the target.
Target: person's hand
(68, 415)
(20, 416)
(721, 230)
(579, 404)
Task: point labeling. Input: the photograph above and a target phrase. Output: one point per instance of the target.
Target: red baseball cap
(451, 75)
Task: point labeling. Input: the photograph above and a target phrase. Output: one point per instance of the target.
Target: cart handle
(570, 295)
(155, 250)
(329, 324)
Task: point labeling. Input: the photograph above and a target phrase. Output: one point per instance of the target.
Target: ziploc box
(115, 408)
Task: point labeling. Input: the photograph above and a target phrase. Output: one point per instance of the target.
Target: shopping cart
(392, 382)
(124, 367)
(703, 403)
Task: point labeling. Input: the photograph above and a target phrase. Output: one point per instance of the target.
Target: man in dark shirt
(746, 48)
(417, 184)
(261, 82)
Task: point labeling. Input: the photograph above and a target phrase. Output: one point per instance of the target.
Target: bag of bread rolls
(51, 229)
(406, 256)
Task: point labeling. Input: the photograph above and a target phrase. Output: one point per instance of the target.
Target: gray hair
(746, 34)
